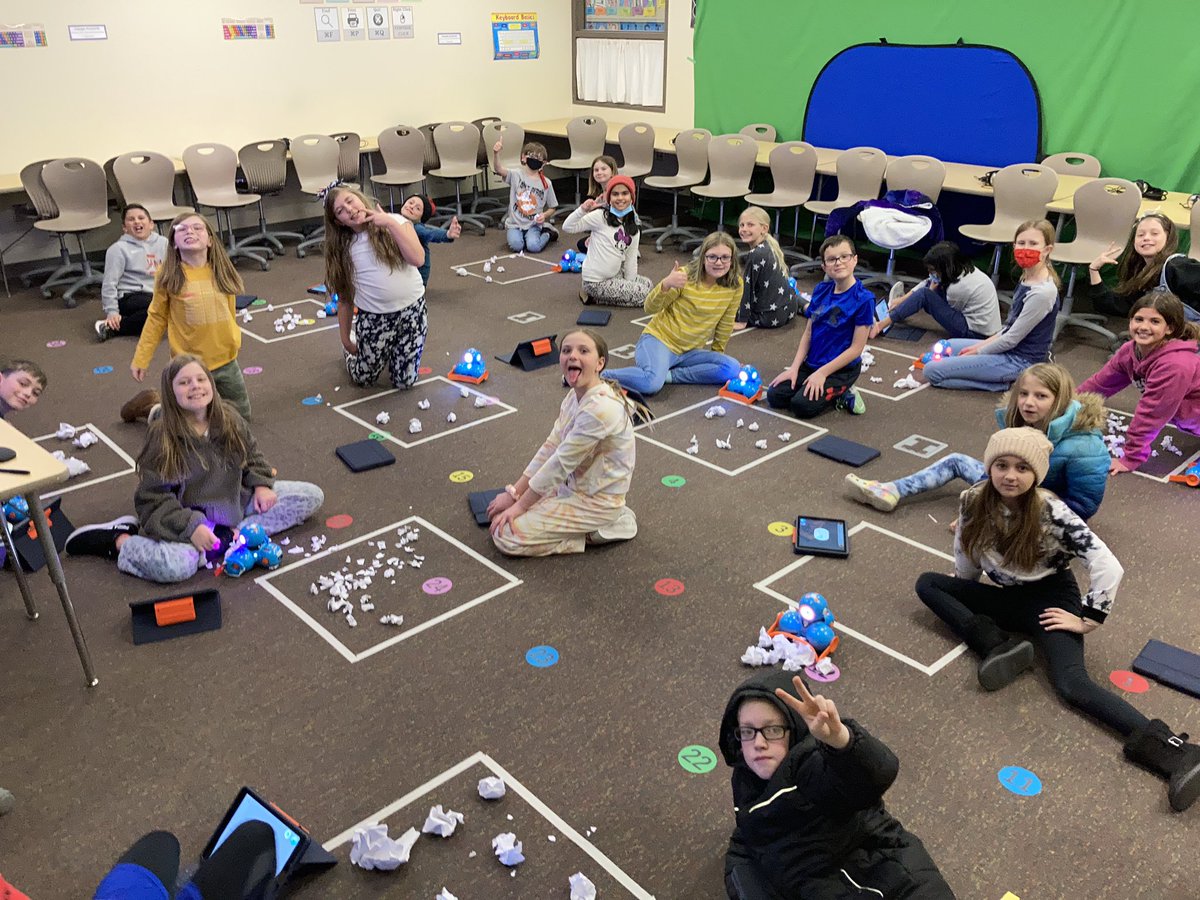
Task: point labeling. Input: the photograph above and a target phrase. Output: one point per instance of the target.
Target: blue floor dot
(542, 656)
(311, 401)
(1020, 781)
(101, 370)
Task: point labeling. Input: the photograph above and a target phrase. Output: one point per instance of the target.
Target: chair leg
(273, 237)
(996, 266)
(464, 218)
(63, 273)
(674, 229)
(244, 248)
(88, 278)
(316, 239)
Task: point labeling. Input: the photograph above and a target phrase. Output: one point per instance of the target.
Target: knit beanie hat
(620, 179)
(1029, 444)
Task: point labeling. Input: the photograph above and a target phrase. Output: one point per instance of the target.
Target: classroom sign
(515, 35)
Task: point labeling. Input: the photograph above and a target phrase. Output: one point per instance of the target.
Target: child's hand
(113, 321)
(676, 280)
(789, 375)
(588, 205)
(264, 498)
(969, 351)
(349, 346)
(540, 219)
(203, 538)
(455, 229)
(1055, 619)
(814, 386)
(819, 714)
(506, 516)
(499, 503)
(498, 146)
(1108, 258)
(1118, 467)
(138, 374)
(878, 327)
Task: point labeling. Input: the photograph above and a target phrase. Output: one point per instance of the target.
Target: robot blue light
(746, 387)
(940, 350)
(572, 261)
(470, 368)
(252, 547)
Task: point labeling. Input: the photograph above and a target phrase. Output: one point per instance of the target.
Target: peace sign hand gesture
(818, 713)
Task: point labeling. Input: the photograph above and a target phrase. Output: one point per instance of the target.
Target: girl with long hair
(1151, 259)
(610, 272)
(960, 297)
(768, 300)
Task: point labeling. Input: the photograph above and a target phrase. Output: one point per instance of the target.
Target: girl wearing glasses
(808, 796)
(610, 274)
(1151, 260)
(194, 304)
(692, 305)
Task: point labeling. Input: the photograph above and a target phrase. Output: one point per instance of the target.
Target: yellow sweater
(199, 321)
(684, 319)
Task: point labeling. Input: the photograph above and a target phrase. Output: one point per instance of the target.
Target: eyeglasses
(770, 732)
(197, 227)
(834, 260)
(718, 259)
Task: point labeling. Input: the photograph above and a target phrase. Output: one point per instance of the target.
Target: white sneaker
(898, 290)
(623, 529)
(101, 329)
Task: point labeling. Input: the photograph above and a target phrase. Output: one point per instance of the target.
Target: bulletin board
(625, 15)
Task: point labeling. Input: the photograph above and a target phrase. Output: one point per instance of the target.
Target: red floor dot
(339, 521)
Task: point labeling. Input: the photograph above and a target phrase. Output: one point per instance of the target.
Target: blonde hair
(1047, 232)
(760, 216)
(595, 190)
(339, 270)
(695, 267)
(1056, 379)
(986, 525)
(170, 276)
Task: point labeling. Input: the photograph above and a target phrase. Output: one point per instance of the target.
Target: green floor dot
(674, 481)
(377, 436)
(697, 759)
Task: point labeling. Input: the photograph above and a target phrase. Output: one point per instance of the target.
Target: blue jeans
(653, 360)
(945, 470)
(534, 239)
(922, 298)
(982, 372)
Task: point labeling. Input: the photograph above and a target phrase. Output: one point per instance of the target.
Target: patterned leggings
(945, 470)
(394, 340)
(168, 561)
(619, 291)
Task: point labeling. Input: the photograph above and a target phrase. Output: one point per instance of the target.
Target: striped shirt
(685, 318)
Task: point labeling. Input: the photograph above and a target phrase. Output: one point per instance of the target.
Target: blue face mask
(621, 213)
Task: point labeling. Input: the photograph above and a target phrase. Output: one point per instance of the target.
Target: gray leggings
(168, 561)
(619, 291)
(945, 470)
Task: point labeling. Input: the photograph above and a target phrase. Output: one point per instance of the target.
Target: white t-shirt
(377, 288)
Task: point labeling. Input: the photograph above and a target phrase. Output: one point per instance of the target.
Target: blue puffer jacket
(1078, 471)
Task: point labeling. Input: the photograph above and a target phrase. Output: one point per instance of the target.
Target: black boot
(1165, 753)
(1004, 657)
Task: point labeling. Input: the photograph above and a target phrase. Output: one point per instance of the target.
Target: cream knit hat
(1029, 444)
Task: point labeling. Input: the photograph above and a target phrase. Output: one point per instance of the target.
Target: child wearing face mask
(610, 274)
(531, 199)
(808, 792)
(991, 364)
(603, 168)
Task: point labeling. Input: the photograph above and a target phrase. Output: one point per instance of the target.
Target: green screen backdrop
(1118, 80)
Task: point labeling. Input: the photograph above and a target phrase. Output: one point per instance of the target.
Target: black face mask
(534, 164)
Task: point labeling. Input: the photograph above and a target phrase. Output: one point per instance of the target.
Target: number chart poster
(515, 35)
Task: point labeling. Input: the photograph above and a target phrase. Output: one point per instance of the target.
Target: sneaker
(1002, 666)
(583, 297)
(101, 330)
(878, 494)
(623, 529)
(552, 231)
(155, 413)
(896, 292)
(140, 405)
(100, 540)
(852, 402)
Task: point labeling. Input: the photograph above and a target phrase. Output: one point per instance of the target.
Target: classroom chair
(481, 203)
(793, 170)
(512, 136)
(403, 150)
(586, 136)
(731, 159)
(432, 160)
(80, 191)
(912, 173)
(636, 141)
(458, 149)
(45, 208)
(212, 171)
(1105, 210)
(691, 159)
(1072, 163)
(349, 156)
(859, 176)
(760, 131)
(1021, 192)
(264, 165)
(112, 185)
(317, 159)
(148, 178)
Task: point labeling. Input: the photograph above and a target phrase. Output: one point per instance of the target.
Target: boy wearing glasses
(807, 793)
(828, 360)
(531, 199)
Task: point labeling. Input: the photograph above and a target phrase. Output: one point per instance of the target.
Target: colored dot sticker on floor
(312, 401)
(542, 656)
(54, 345)
(461, 476)
(669, 587)
(1020, 781)
(1129, 681)
(252, 370)
(308, 321)
(377, 436)
(817, 675)
(437, 585)
(782, 529)
(424, 370)
(697, 759)
(674, 481)
(259, 302)
(339, 521)
(102, 370)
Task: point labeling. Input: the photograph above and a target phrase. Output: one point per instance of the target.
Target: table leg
(54, 565)
(22, 581)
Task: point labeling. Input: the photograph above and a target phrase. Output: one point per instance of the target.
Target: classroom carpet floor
(342, 725)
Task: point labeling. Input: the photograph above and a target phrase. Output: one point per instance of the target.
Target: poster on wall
(248, 29)
(22, 36)
(402, 22)
(515, 35)
(329, 27)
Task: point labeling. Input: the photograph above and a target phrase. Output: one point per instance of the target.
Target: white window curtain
(616, 71)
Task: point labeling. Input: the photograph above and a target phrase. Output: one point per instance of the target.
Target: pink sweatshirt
(1169, 379)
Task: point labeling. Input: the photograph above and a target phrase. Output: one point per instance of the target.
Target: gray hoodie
(129, 265)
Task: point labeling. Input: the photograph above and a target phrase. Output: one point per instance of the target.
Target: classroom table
(37, 469)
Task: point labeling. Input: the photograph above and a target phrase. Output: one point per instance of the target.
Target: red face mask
(1027, 258)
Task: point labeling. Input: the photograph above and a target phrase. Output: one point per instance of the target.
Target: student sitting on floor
(604, 167)
(21, 385)
(1160, 359)
(691, 306)
(200, 468)
(419, 209)
(531, 199)
(1151, 260)
(829, 358)
(610, 272)
(959, 296)
(1025, 539)
(808, 792)
(129, 268)
(572, 493)
(768, 300)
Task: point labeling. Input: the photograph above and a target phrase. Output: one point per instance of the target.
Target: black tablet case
(594, 317)
(1170, 665)
(524, 357)
(362, 456)
(841, 450)
(242, 301)
(479, 500)
(146, 629)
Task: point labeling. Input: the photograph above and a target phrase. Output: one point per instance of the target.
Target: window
(620, 53)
